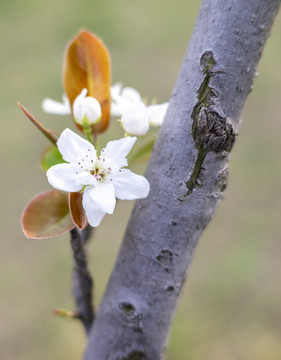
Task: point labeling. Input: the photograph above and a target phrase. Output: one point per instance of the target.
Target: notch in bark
(211, 131)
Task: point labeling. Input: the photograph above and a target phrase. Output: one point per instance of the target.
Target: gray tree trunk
(187, 174)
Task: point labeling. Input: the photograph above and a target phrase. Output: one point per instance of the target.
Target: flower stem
(88, 133)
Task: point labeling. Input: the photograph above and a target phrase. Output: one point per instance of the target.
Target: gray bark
(187, 174)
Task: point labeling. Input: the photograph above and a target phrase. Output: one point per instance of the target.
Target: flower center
(99, 167)
(100, 173)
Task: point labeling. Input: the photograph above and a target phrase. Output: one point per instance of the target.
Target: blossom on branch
(86, 109)
(102, 178)
(136, 117)
(126, 103)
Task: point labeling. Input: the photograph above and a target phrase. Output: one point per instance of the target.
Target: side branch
(82, 281)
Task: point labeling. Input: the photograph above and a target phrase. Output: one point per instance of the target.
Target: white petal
(115, 90)
(130, 186)
(85, 178)
(135, 119)
(76, 102)
(117, 108)
(122, 98)
(98, 201)
(117, 151)
(131, 94)
(156, 113)
(55, 107)
(74, 148)
(93, 212)
(103, 196)
(118, 105)
(82, 94)
(63, 177)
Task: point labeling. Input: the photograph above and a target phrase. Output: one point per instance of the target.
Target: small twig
(47, 132)
(70, 314)
(82, 282)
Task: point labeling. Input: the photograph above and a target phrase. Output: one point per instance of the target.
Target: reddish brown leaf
(77, 211)
(87, 65)
(47, 215)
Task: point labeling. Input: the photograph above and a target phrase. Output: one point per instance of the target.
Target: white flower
(86, 109)
(101, 178)
(127, 104)
(135, 119)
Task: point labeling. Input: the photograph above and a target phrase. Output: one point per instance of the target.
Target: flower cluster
(101, 177)
(86, 109)
(126, 104)
(135, 116)
(89, 180)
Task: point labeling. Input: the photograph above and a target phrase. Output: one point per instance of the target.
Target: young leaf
(143, 153)
(47, 215)
(51, 156)
(77, 211)
(87, 65)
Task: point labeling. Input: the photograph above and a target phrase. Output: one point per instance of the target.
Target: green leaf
(47, 215)
(51, 156)
(143, 153)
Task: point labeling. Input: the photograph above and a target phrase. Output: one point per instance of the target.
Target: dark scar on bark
(211, 131)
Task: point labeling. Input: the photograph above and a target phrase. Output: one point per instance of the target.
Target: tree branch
(82, 282)
(187, 174)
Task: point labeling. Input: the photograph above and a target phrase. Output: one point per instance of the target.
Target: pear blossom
(102, 178)
(135, 115)
(126, 103)
(86, 109)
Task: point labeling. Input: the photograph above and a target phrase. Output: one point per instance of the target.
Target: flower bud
(86, 109)
(135, 119)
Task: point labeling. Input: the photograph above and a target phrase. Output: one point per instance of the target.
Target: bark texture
(187, 174)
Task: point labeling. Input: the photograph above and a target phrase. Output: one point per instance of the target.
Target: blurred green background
(231, 305)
